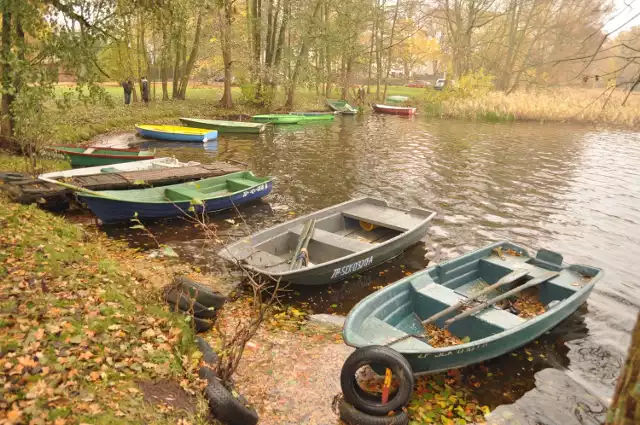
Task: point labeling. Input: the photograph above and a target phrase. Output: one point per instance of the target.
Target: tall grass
(560, 105)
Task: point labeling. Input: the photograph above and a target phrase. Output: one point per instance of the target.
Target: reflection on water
(568, 188)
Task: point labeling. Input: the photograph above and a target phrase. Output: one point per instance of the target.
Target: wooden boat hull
(225, 126)
(341, 106)
(390, 313)
(313, 116)
(394, 110)
(345, 264)
(175, 134)
(118, 211)
(100, 156)
(277, 119)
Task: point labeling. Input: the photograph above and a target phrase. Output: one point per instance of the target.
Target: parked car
(419, 84)
(440, 84)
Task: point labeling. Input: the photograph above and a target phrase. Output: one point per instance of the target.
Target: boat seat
(182, 194)
(449, 297)
(384, 216)
(89, 150)
(379, 332)
(331, 239)
(240, 184)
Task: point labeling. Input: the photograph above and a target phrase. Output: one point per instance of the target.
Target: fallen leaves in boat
(498, 252)
(528, 306)
(513, 252)
(439, 337)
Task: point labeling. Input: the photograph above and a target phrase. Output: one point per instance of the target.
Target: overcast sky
(625, 15)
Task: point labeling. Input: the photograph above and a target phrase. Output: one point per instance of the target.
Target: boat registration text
(350, 268)
(255, 190)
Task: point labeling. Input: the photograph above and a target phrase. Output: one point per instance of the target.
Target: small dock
(57, 198)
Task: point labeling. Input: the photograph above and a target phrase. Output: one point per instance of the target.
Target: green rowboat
(89, 157)
(276, 118)
(462, 294)
(341, 106)
(224, 126)
(314, 116)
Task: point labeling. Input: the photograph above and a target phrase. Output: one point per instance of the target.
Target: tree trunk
(163, 66)
(176, 66)
(625, 407)
(283, 29)
(192, 59)
(393, 29)
(374, 31)
(303, 55)
(225, 41)
(380, 38)
(7, 99)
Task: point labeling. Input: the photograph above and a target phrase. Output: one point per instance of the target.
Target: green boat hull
(341, 106)
(305, 117)
(224, 126)
(90, 157)
(276, 119)
(396, 311)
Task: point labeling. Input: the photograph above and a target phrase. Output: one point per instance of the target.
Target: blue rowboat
(176, 133)
(396, 315)
(207, 195)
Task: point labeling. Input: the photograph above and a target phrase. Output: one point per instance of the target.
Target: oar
(510, 278)
(301, 239)
(533, 282)
(77, 188)
(305, 243)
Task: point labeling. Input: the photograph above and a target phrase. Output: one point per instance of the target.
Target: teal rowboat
(314, 116)
(341, 106)
(393, 316)
(277, 119)
(224, 126)
(93, 156)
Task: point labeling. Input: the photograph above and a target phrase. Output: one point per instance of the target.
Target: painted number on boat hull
(350, 268)
(255, 190)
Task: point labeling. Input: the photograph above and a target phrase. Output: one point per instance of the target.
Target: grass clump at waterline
(21, 164)
(593, 106)
(81, 335)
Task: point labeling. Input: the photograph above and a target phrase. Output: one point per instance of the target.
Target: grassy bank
(84, 336)
(82, 122)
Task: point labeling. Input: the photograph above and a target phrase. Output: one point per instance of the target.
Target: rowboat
(341, 106)
(393, 110)
(207, 195)
(397, 99)
(224, 126)
(276, 118)
(144, 165)
(176, 133)
(92, 156)
(314, 116)
(346, 238)
(444, 295)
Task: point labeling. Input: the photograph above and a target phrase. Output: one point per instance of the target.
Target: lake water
(573, 189)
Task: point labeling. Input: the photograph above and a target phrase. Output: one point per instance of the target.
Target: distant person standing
(145, 89)
(127, 86)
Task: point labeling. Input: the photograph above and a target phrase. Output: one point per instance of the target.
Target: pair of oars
(303, 242)
(510, 278)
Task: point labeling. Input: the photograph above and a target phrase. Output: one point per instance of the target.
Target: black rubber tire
(227, 408)
(184, 305)
(388, 357)
(202, 325)
(208, 355)
(203, 294)
(208, 374)
(353, 416)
